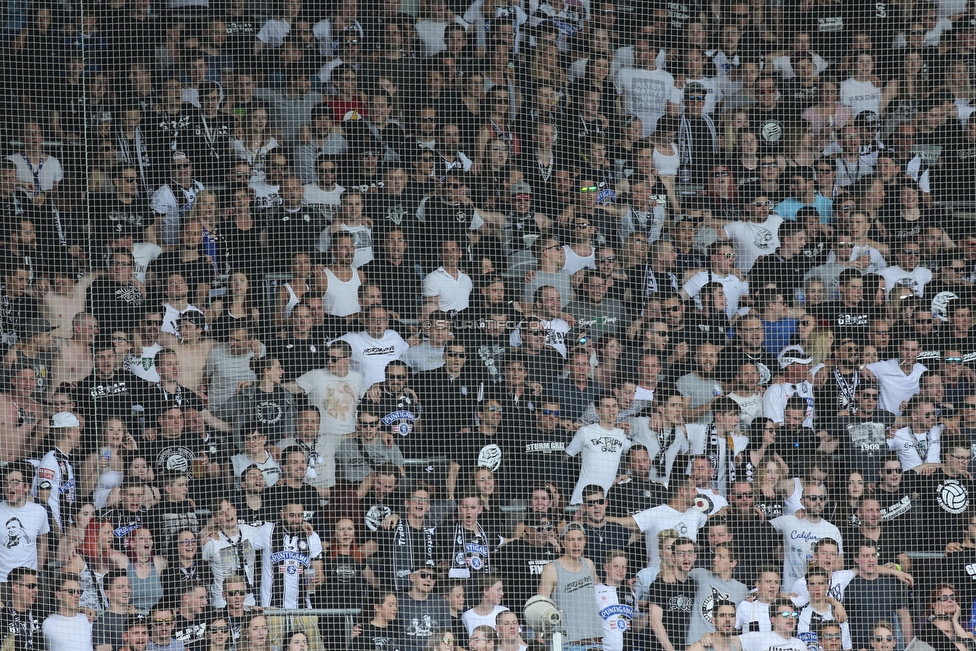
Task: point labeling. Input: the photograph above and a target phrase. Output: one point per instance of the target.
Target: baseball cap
(37, 327)
(64, 419)
(521, 188)
(695, 88)
(793, 355)
(194, 317)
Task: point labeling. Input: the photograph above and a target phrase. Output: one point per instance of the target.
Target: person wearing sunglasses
(359, 455)
(801, 534)
(907, 272)
(784, 618)
(943, 631)
(67, 628)
(599, 446)
(918, 444)
(722, 269)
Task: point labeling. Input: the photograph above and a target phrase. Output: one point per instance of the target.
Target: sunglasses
(454, 354)
(219, 629)
(236, 593)
(815, 498)
(788, 613)
(550, 412)
(888, 471)
(696, 98)
(609, 258)
(946, 597)
(589, 188)
(884, 638)
(759, 204)
(832, 636)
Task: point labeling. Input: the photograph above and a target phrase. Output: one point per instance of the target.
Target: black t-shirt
(848, 321)
(787, 274)
(298, 356)
(116, 306)
(400, 284)
(890, 544)
(374, 638)
(99, 399)
(292, 231)
(676, 600)
(520, 565)
(862, 441)
(534, 456)
(195, 272)
(476, 450)
(111, 217)
(942, 499)
(635, 495)
(732, 357)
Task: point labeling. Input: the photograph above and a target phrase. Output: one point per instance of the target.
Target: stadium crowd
(403, 314)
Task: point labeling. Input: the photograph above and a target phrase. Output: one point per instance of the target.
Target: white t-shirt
(370, 356)
(452, 293)
(752, 616)
(839, 580)
(21, 527)
(227, 556)
(735, 288)
(894, 386)
(769, 641)
(751, 240)
(336, 399)
(645, 94)
(329, 200)
(600, 451)
(55, 469)
(807, 618)
(67, 633)
(799, 537)
(915, 448)
(860, 96)
(775, 397)
(916, 279)
(659, 518)
(42, 176)
(556, 331)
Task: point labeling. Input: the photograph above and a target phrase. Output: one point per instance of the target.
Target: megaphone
(541, 613)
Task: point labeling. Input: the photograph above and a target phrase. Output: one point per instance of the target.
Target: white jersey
(616, 616)
(21, 528)
(57, 475)
(286, 566)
